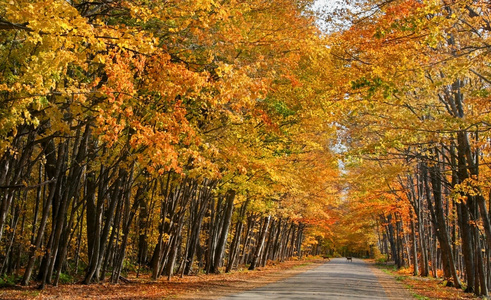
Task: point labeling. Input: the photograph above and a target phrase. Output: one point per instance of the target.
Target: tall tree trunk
(442, 232)
(251, 222)
(222, 241)
(53, 169)
(414, 248)
(129, 214)
(260, 243)
(202, 202)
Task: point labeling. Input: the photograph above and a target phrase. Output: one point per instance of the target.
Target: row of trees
(164, 137)
(169, 137)
(415, 109)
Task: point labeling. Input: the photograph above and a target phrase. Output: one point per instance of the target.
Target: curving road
(337, 279)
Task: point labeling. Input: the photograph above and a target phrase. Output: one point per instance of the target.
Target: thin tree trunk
(443, 236)
(54, 165)
(222, 241)
(260, 244)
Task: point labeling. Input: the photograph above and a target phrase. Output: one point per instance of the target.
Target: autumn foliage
(174, 137)
(158, 137)
(412, 80)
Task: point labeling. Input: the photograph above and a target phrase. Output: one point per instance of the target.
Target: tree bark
(260, 244)
(222, 241)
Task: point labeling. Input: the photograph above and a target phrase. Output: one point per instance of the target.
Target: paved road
(337, 279)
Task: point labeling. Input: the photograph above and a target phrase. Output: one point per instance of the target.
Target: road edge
(394, 289)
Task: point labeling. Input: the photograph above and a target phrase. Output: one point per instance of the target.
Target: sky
(325, 8)
(327, 3)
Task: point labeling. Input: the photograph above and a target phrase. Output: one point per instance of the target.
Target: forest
(176, 137)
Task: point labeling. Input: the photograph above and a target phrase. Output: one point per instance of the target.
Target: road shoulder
(394, 289)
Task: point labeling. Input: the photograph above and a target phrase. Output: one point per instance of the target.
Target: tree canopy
(173, 136)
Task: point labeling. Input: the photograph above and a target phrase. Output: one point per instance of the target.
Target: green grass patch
(419, 297)
(9, 280)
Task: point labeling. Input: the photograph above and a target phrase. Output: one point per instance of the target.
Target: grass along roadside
(425, 288)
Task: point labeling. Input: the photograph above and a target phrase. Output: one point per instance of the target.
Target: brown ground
(425, 287)
(433, 288)
(393, 289)
(219, 285)
(202, 286)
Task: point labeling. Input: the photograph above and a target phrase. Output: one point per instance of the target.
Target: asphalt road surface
(337, 279)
